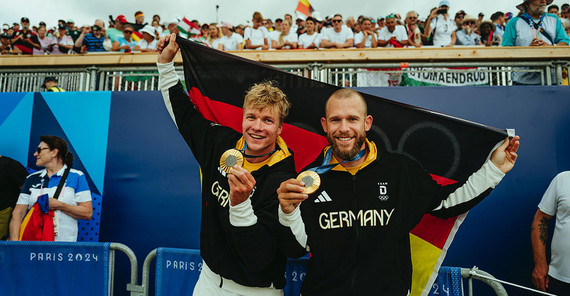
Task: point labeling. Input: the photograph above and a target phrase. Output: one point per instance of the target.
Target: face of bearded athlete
(346, 124)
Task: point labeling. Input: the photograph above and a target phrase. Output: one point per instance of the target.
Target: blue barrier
(448, 282)
(177, 271)
(54, 268)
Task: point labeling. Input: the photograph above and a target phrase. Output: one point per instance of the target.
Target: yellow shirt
(273, 159)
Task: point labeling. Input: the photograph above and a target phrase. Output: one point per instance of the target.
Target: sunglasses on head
(336, 21)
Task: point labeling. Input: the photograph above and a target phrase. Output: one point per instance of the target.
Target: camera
(441, 11)
(96, 28)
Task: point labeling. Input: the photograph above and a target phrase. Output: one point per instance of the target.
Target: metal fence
(135, 78)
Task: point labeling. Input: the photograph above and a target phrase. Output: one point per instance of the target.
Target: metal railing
(348, 68)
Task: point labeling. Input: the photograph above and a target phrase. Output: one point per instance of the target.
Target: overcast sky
(237, 12)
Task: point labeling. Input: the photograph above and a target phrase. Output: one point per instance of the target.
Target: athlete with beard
(356, 224)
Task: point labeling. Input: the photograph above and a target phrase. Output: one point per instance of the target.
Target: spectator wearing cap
(204, 33)
(301, 28)
(565, 11)
(416, 36)
(498, 19)
(51, 84)
(125, 43)
(467, 35)
(230, 40)
(16, 26)
(287, 39)
(459, 18)
(117, 31)
(366, 38)
(440, 27)
(5, 28)
(533, 27)
(26, 40)
(92, 38)
(480, 17)
(508, 17)
(338, 36)
(311, 38)
(6, 46)
(61, 43)
(256, 36)
(44, 40)
(392, 35)
(171, 28)
(489, 36)
(148, 42)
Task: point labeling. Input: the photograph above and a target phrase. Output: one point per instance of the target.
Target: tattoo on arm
(543, 229)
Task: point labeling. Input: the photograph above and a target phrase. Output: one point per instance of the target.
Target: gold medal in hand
(311, 179)
(231, 158)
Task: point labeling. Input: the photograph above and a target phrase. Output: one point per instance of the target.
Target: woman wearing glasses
(440, 26)
(126, 42)
(74, 201)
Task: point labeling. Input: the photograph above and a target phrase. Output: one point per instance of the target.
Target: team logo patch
(383, 191)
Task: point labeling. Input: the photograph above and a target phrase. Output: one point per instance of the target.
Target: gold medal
(230, 158)
(311, 179)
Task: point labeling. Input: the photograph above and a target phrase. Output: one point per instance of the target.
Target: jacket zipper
(357, 234)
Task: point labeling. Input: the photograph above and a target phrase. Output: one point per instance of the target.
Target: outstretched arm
(505, 156)
(538, 237)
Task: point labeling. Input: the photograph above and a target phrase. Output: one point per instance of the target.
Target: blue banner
(295, 274)
(177, 271)
(54, 268)
(448, 283)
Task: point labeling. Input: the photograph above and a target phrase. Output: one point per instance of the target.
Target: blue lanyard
(326, 166)
(255, 156)
(531, 22)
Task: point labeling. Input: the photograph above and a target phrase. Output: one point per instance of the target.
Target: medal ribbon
(255, 156)
(326, 166)
(534, 26)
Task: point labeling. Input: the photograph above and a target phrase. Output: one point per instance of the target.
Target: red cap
(121, 19)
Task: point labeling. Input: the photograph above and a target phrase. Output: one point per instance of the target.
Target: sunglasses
(39, 149)
(469, 23)
(336, 21)
(264, 23)
(128, 32)
(412, 17)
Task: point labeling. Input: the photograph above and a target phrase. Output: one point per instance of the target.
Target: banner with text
(445, 76)
(54, 268)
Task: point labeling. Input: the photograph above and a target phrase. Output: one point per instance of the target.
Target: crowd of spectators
(437, 29)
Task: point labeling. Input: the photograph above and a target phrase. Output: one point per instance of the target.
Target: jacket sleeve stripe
(167, 78)
(488, 176)
(295, 222)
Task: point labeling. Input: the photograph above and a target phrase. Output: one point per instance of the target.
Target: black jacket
(358, 226)
(247, 255)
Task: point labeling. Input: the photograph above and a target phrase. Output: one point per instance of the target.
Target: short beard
(347, 155)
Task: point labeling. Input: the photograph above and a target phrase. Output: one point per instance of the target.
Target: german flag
(304, 7)
(449, 148)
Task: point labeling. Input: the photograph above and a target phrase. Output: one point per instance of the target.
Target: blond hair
(267, 95)
(281, 35)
